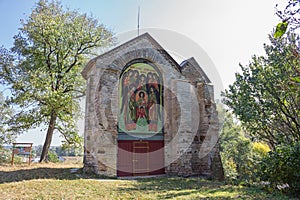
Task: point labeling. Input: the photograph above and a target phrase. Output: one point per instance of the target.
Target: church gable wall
(190, 118)
(102, 103)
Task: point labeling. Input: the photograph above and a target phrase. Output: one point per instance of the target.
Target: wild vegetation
(265, 99)
(250, 162)
(240, 155)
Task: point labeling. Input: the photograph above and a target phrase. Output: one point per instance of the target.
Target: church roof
(129, 43)
(192, 63)
(189, 67)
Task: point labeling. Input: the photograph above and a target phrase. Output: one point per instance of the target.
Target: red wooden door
(138, 158)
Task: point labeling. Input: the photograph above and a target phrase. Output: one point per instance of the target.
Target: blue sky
(228, 31)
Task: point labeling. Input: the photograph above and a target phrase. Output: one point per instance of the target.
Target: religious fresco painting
(140, 99)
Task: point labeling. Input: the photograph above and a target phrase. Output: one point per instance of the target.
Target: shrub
(52, 157)
(230, 172)
(19, 159)
(261, 149)
(281, 168)
(5, 156)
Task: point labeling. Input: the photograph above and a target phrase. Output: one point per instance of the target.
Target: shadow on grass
(36, 173)
(197, 188)
(170, 188)
(155, 188)
(176, 183)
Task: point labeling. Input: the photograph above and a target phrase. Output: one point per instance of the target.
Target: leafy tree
(43, 69)
(290, 18)
(265, 96)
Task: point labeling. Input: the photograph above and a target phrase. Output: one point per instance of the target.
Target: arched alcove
(140, 99)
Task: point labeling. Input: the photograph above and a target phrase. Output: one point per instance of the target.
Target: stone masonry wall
(196, 151)
(196, 148)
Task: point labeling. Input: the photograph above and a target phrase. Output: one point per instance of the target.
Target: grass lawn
(54, 181)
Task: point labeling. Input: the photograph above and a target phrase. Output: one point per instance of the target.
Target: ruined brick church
(146, 114)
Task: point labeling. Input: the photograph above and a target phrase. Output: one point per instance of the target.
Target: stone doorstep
(195, 176)
(141, 177)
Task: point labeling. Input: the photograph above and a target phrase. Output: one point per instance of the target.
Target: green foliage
(240, 156)
(265, 96)
(5, 155)
(43, 68)
(260, 149)
(281, 167)
(234, 148)
(18, 159)
(290, 17)
(52, 157)
(229, 167)
(280, 29)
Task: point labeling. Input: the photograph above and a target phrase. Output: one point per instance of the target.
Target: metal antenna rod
(138, 25)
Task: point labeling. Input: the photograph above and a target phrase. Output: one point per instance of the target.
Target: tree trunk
(49, 135)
